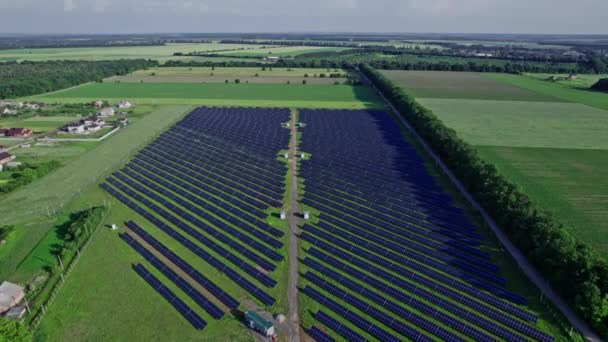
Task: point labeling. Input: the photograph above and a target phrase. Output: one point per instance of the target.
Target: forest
(571, 267)
(19, 79)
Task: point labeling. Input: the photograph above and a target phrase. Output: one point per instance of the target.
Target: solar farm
(386, 253)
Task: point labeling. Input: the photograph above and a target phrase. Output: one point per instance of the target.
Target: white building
(124, 104)
(93, 128)
(106, 112)
(76, 128)
(10, 295)
(94, 120)
(8, 111)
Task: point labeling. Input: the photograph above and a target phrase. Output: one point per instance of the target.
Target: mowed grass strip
(274, 95)
(523, 124)
(565, 93)
(569, 182)
(460, 85)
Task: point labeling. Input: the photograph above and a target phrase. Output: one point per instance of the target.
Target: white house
(93, 128)
(106, 112)
(10, 295)
(94, 120)
(76, 128)
(32, 106)
(124, 104)
(8, 111)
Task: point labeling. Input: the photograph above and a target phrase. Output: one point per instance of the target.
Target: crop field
(556, 90)
(161, 53)
(582, 81)
(280, 51)
(277, 95)
(524, 124)
(460, 85)
(221, 75)
(554, 150)
(389, 255)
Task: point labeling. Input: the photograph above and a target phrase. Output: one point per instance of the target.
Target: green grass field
(274, 95)
(570, 182)
(582, 81)
(460, 85)
(221, 75)
(556, 90)
(161, 53)
(524, 124)
(30, 205)
(37, 124)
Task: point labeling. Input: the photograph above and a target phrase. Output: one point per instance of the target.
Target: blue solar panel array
(204, 303)
(338, 327)
(319, 335)
(177, 303)
(384, 214)
(214, 175)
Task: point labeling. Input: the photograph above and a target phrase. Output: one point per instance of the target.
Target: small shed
(10, 295)
(256, 322)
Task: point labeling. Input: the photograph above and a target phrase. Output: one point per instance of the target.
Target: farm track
(293, 320)
(520, 259)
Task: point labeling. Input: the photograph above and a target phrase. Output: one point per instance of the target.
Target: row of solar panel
(458, 311)
(193, 293)
(208, 210)
(234, 276)
(227, 194)
(229, 204)
(383, 317)
(404, 263)
(407, 210)
(418, 226)
(207, 284)
(319, 335)
(338, 327)
(254, 272)
(264, 195)
(177, 303)
(448, 287)
(270, 172)
(447, 264)
(256, 150)
(352, 317)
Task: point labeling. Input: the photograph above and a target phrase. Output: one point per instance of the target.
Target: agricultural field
(553, 149)
(582, 81)
(277, 95)
(460, 85)
(279, 51)
(160, 53)
(244, 75)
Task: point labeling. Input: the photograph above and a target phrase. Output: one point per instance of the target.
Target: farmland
(203, 192)
(460, 85)
(554, 150)
(279, 95)
(161, 53)
(244, 75)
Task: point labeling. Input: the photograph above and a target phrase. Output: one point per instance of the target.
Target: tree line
(571, 267)
(601, 85)
(29, 78)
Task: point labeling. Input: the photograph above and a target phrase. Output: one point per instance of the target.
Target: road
(521, 260)
(293, 319)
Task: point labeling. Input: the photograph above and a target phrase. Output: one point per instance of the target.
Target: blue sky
(458, 16)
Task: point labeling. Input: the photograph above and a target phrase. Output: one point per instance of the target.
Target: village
(106, 117)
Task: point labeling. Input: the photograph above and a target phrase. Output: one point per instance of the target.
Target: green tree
(13, 331)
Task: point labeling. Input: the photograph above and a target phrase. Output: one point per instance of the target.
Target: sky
(444, 16)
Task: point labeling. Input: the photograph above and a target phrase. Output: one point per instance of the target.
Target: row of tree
(29, 78)
(26, 174)
(571, 267)
(601, 85)
(349, 59)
